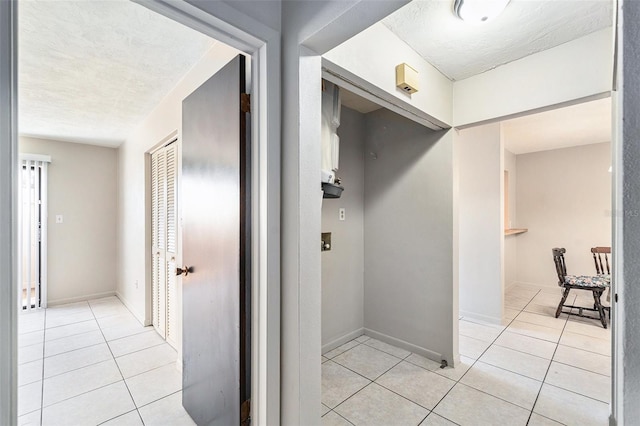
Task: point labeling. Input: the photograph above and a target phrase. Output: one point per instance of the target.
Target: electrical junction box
(407, 78)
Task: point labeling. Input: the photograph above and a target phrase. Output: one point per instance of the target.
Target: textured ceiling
(90, 71)
(581, 124)
(460, 50)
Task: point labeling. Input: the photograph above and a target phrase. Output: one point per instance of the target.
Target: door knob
(184, 270)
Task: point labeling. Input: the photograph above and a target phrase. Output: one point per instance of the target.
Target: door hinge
(615, 297)
(245, 412)
(245, 102)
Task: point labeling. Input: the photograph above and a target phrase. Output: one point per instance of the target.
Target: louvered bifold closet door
(164, 236)
(172, 241)
(159, 230)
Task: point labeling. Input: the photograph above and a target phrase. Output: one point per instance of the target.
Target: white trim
(35, 157)
(427, 353)
(226, 24)
(481, 318)
(8, 213)
(342, 340)
(126, 303)
(84, 298)
(361, 87)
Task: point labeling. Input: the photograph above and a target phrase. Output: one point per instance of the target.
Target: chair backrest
(561, 268)
(598, 254)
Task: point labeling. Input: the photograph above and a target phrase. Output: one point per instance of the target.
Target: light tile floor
(533, 370)
(92, 363)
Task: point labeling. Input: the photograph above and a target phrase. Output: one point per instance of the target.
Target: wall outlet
(341, 213)
(59, 218)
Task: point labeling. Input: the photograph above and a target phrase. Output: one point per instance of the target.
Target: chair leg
(596, 299)
(565, 293)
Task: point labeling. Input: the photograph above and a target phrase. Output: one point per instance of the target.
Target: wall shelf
(515, 231)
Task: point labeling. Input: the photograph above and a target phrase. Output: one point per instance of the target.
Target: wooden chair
(596, 284)
(600, 253)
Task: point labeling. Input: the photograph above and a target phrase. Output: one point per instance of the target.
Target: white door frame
(234, 28)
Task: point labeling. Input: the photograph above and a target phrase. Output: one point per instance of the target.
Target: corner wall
(481, 222)
(343, 265)
(511, 241)
(409, 235)
(564, 199)
(81, 251)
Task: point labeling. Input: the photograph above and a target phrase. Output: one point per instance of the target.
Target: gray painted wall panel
(343, 265)
(408, 274)
(631, 213)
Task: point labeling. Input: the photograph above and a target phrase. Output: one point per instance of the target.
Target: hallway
(91, 363)
(534, 370)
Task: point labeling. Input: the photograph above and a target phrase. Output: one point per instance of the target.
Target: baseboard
(535, 286)
(130, 309)
(342, 340)
(80, 298)
(434, 356)
(482, 318)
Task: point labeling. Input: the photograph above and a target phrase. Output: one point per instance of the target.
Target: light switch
(59, 218)
(342, 213)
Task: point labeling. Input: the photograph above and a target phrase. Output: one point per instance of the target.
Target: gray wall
(630, 214)
(408, 234)
(82, 186)
(481, 222)
(564, 199)
(343, 265)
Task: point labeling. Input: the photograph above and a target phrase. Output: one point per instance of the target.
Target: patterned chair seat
(597, 281)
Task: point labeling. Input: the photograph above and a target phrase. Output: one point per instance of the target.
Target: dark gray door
(214, 246)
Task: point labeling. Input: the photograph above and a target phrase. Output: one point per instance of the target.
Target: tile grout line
(476, 360)
(117, 365)
(44, 342)
(548, 368)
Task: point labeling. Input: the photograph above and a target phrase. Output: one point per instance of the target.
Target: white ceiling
(460, 50)
(90, 71)
(581, 124)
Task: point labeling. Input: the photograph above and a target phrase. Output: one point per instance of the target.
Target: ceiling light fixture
(478, 11)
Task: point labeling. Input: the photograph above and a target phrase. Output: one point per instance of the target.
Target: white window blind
(32, 225)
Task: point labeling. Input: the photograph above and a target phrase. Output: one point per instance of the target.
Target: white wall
(408, 234)
(82, 186)
(133, 217)
(511, 241)
(564, 199)
(373, 55)
(574, 70)
(481, 230)
(343, 265)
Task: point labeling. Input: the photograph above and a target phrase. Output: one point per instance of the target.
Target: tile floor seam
(582, 349)
(405, 397)
(338, 414)
(544, 380)
(166, 396)
(509, 371)
(474, 362)
(44, 335)
(576, 393)
(119, 415)
(73, 350)
(405, 357)
(65, 325)
(116, 362)
(580, 368)
(139, 350)
(153, 369)
(80, 394)
(331, 359)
